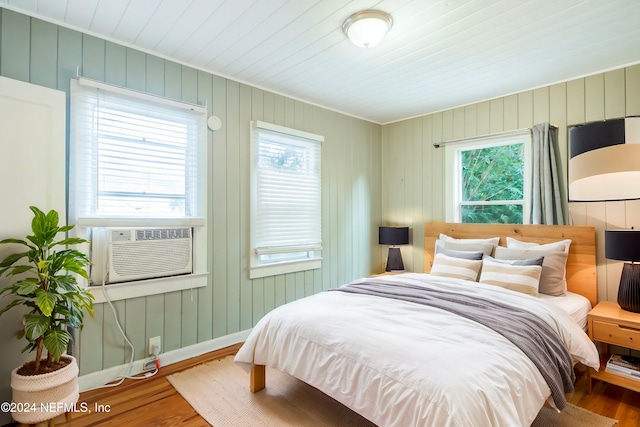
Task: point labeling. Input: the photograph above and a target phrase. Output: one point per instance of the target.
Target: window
(286, 227)
(490, 180)
(138, 160)
(133, 155)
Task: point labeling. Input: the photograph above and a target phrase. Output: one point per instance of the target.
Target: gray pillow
(473, 255)
(530, 261)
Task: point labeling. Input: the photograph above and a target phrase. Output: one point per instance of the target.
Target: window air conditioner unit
(128, 254)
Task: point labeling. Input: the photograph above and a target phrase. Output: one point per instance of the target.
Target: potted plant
(44, 282)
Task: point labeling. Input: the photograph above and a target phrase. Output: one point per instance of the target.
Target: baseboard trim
(100, 378)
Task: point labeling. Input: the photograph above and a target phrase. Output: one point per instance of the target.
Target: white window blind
(286, 189)
(134, 155)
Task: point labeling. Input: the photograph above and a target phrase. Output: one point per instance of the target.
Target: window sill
(284, 268)
(140, 288)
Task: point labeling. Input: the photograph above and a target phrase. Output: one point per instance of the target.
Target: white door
(32, 172)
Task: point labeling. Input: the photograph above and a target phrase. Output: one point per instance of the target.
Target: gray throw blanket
(533, 336)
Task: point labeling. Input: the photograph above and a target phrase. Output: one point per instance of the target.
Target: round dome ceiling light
(367, 28)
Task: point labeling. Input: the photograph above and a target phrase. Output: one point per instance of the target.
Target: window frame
(196, 220)
(257, 268)
(453, 179)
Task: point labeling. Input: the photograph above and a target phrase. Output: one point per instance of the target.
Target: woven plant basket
(43, 397)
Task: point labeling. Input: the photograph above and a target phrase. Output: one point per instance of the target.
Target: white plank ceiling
(439, 53)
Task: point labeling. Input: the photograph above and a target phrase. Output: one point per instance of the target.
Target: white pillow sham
(562, 245)
(490, 240)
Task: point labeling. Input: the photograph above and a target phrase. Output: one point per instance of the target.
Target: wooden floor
(154, 402)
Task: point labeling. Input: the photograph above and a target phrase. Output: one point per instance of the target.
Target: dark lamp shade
(393, 236)
(622, 245)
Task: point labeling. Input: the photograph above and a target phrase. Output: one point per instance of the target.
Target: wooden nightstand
(609, 324)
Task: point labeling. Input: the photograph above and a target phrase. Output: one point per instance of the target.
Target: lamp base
(629, 290)
(394, 260)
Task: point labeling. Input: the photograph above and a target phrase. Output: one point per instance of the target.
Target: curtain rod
(517, 132)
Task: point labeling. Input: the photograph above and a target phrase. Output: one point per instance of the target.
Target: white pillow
(520, 278)
(491, 240)
(554, 265)
(446, 266)
(562, 245)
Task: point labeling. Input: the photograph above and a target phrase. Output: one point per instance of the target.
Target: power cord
(156, 350)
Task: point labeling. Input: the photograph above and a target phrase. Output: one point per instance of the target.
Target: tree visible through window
(493, 184)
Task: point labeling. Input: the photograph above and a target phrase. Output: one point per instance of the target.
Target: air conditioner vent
(143, 253)
(163, 233)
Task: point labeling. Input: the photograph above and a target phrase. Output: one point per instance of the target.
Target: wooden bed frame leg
(257, 378)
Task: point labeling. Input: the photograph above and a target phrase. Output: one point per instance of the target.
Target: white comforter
(403, 364)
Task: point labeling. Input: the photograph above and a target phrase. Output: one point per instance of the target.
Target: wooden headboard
(581, 262)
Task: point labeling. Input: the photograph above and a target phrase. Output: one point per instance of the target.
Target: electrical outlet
(155, 341)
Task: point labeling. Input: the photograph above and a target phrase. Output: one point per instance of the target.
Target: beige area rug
(219, 392)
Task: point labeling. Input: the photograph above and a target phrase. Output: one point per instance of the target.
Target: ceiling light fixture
(367, 28)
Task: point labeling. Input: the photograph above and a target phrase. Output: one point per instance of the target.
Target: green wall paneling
(50, 55)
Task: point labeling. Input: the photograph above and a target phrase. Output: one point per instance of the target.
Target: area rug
(219, 392)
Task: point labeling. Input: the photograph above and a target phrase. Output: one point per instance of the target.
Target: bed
(401, 350)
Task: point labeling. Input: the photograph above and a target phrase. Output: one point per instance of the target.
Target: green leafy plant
(46, 284)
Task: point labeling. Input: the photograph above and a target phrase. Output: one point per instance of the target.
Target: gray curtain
(547, 202)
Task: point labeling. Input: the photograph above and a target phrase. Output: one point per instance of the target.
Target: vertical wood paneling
(172, 321)
(136, 69)
(525, 110)
(14, 48)
(135, 326)
(437, 166)
(510, 113)
(470, 120)
(43, 53)
(218, 210)
(189, 317)
(204, 94)
(614, 105)
(541, 106)
(155, 75)
(483, 123)
(594, 97)
(172, 80)
(351, 205)
(251, 303)
(497, 116)
(113, 342)
(154, 319)
(69, 57)
(91, 342)
(115, 63)
(93, 57)
(632, 86)
(233, 204)
(598, 97)
(189, 298)
(575, 102)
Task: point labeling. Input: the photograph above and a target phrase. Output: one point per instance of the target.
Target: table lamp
(394, 236)
(624, 245)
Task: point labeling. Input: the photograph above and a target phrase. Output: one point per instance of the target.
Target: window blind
(287, 192)
(133, 155)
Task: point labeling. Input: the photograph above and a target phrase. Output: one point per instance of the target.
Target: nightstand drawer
(613, 333)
